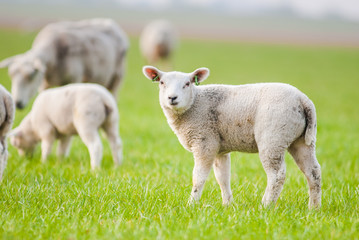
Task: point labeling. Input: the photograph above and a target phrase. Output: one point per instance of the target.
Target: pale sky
(345, 9)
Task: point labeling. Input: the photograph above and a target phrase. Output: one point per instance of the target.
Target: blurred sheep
(91, 50)
(158, 41)
(7, 113)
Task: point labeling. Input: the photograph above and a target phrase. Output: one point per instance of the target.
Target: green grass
(146, 197)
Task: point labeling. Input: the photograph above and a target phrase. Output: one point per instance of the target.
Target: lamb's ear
(14, 136)
(152, 73)
(199, 75)
(8, 61)
(14, 132)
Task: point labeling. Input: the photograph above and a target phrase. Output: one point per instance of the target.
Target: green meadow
(146, 197)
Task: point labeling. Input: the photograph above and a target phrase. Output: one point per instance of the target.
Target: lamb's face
(24, 143)
(176, 91)
(176, 88)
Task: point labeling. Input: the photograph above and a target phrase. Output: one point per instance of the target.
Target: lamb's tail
(311, 119)
(110, 105)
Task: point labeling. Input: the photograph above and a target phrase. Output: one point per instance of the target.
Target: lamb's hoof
(268, 205)
(228, 201)
(314, 205)
(192, 201)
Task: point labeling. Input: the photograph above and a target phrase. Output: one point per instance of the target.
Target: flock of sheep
(210, 121)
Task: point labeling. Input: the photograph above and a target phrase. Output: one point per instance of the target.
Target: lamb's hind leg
(306, 160)
(92, 140)
(111, 129)
(222, 171)
(274, 166)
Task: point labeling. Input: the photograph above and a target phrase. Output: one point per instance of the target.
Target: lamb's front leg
(222, 171)
(202, 167)
(46, 146)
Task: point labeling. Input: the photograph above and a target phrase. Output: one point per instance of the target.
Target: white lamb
(212, 121)
(7, 113)
(59, 113)
(157, 41)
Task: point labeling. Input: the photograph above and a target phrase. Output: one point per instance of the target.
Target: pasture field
(146, 198)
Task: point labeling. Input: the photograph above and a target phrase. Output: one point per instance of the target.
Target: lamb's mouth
(174, 103)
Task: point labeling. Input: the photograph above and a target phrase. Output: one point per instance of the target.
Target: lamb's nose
(19, 105)
(172, 98)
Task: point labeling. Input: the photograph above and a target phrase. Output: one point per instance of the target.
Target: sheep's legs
(274, 166)
(116, 80)
(64, 146)
(222, 171)
(46, 146)
(306, 160)
(115, 142)
(202, 167)
(3, 157)
(92, 140)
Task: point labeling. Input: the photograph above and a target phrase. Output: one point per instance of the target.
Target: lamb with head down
(213, 120)
(60, 113)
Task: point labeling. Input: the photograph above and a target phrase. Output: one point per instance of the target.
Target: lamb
(91, 50)
(213, 120)
(59, 113)
(157, 41)
(7, 113)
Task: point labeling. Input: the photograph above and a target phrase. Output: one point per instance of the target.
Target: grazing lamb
(59, 113)
(212, 121)
(157, 41)
(69, 52)
(7, 113)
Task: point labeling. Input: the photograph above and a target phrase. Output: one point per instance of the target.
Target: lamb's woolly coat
(213, 120)
(91, 50)
(7, 114)
(241, 118)
(59, 113)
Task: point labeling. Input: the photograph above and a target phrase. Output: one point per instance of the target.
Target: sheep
(91, 50)
(59, 113)
(157, 41)
(7, 113)
(266, 118)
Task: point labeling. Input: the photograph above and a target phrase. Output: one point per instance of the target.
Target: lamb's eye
(161, 82)
(187, 85)
(32, 75)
